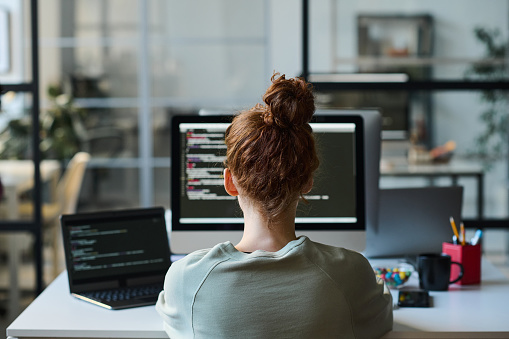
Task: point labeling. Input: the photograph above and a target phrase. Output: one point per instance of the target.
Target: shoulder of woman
(337, 257)
(200, 257)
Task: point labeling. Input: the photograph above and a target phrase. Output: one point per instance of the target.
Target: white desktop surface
(468, 311)
(56, 314)
(480, 311)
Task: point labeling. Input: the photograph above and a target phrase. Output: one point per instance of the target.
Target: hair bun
(289, 102)
(267, 116)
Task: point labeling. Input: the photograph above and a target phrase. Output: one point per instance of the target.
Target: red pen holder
(470, 257)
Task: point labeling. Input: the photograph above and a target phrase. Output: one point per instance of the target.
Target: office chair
(65, 202)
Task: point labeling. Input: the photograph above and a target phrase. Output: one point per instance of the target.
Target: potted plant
(60, 130)
(491, 144)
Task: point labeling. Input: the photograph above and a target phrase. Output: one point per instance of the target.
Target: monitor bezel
(358, 225)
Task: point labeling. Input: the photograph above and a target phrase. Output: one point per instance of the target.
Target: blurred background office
(112, 73)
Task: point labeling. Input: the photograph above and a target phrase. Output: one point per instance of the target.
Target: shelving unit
(33, 226)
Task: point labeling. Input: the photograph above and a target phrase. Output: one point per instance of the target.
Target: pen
(477, 236)
(462, 230)
(454, 229)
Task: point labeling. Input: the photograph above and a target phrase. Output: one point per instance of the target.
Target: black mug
(435, 271)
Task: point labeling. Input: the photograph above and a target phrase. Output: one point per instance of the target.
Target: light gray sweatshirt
(304, 290)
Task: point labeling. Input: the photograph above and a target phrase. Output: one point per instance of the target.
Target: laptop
(116, 259)
(412, 221)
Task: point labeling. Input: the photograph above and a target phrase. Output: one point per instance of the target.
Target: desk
(17, 176)
(469, 311)
(399, 167)
(463, 312)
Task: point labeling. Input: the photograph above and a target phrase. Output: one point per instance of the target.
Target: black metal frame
(428, 85)
(33, 226)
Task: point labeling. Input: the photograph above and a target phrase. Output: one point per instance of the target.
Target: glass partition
(425, 39)
(438, 70)
(128, 66)
(132, 65)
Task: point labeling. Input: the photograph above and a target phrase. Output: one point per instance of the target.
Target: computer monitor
(204, 215)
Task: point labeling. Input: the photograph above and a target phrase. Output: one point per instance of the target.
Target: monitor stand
(183, 242)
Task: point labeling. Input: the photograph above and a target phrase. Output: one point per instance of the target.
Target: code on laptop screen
(102, 248)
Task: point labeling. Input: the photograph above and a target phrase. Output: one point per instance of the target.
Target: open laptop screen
(115, 245)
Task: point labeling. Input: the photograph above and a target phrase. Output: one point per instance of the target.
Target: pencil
(462, 230)
(454, 229)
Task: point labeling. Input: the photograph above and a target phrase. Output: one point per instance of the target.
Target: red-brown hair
(271, 148)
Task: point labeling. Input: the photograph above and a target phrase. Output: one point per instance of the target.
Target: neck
(260, 235)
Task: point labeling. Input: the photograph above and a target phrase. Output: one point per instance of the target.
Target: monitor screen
(200, 202)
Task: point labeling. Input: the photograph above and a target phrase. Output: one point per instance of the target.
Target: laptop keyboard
(125, 293)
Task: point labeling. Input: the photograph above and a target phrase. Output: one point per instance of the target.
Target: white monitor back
(356, 240)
